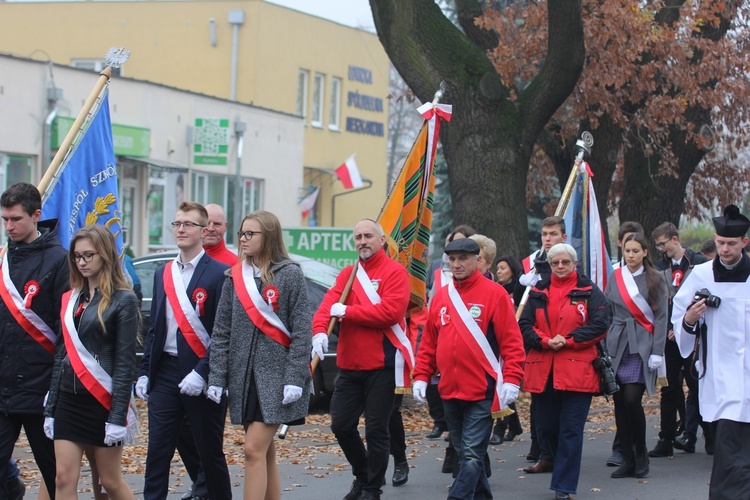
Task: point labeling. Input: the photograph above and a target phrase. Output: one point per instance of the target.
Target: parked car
(318, 276)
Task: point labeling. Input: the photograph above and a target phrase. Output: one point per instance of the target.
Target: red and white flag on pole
(307, 203)
(349, 175)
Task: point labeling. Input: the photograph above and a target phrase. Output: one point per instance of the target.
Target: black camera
(711, 300)
(607, 383)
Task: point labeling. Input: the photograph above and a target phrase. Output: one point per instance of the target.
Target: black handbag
(603, 366)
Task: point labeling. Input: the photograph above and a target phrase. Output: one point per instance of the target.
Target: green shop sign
(332, 246)
(129, 141)
(211, 141)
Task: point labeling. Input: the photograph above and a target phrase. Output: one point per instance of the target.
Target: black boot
(627, 467)
(400, 473)
(641, 464)
(450, 454)
(662, 449)
(685, 443)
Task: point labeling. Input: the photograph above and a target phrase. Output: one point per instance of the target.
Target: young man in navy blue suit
(174, 368)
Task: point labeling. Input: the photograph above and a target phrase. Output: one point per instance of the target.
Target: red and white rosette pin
(271, 294)
(30, 289)
(200, 295)
(582, 309)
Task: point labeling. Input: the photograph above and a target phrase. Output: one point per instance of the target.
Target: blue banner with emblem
(86, 192)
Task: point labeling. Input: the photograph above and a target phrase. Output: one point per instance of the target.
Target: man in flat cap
(473, 340)
(711, 317)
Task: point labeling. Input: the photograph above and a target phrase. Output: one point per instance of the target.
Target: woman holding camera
(637, 293)
(565, 317)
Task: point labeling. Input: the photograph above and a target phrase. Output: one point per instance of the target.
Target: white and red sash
(260, 312)
(478, 344)
(634, 301)
(396, 335)
(91, 374)
(186, 316)
(28, 319)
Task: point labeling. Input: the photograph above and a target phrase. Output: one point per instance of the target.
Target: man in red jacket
(473, 340)
(367, 355)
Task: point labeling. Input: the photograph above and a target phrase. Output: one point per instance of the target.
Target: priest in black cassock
(718, 334)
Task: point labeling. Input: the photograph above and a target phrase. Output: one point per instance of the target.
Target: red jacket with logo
(575, 308)
(444, 349)
(362, 341)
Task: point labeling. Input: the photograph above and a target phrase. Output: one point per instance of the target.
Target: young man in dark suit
(174, 368)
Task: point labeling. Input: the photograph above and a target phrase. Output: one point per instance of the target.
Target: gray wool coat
(238, 346)
(625, 332)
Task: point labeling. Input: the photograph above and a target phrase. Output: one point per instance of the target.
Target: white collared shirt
(186, 271)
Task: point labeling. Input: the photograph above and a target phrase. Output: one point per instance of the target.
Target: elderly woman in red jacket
(565, 317)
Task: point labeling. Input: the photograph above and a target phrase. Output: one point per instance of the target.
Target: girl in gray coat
(260, 345)
(638, 296)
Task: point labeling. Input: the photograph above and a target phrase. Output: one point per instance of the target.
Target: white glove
(655, 361)
(529, 279)
(291, 394)
(141, 387)
(419, 390)
(214, 393)
(192, 385)
(114, 434)
(49, 427)
(338, 310)
(508, 394)
(319, 345)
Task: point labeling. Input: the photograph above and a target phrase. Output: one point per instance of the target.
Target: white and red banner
(349, 174)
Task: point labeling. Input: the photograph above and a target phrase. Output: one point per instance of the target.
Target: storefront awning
(162, 164)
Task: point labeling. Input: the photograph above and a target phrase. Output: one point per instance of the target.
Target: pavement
(313, 467)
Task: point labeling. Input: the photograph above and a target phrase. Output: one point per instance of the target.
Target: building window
(94, 65)
(316, 120)
(334, 120)
(302, 93)
(219, 189)
(13, 168)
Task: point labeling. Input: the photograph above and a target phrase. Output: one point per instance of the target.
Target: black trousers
(166, 410)
(396, 430)
(435, 406)
(42, 448)
(672, 400)
(192, 459)
(730, 476)
(370, 392)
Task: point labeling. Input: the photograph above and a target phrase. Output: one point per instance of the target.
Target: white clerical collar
(730, 266)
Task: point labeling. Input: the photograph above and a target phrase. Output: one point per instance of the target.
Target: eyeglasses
(565, 263)
(247, 234)
(86, 257)
(662, 244)
(186, 225)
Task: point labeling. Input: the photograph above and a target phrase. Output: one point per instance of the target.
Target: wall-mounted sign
(357, 74)
(359, 126)
(332, 246)
(362, 101)
(128, 141)
(211, 141)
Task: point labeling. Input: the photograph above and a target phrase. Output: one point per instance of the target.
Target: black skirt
(252, 406)
(80, 418)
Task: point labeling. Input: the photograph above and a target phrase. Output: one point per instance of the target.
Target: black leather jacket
(114, 348)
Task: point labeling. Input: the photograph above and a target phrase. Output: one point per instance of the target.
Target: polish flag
(308, 202)
(349, 175)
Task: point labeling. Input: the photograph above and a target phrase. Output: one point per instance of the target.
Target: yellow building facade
(250, 51)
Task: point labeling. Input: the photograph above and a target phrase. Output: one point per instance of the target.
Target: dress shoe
(533, 454)
(540, 467)
(662, 449)
(436, 432)
(356, 490)
(615, 459)
(641, 464)
(495, 439)
(188, 495)
(400, 473)
(561, 495)
(511, 436)
(685, 444)
(626, 469)
(368, 495)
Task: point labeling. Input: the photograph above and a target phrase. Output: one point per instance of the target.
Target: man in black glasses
(174, 368)
(34, 276)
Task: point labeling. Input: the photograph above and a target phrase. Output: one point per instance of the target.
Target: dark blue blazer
(209, 275)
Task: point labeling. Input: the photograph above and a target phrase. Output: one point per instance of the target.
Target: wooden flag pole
(75, 129)
(584, 143)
